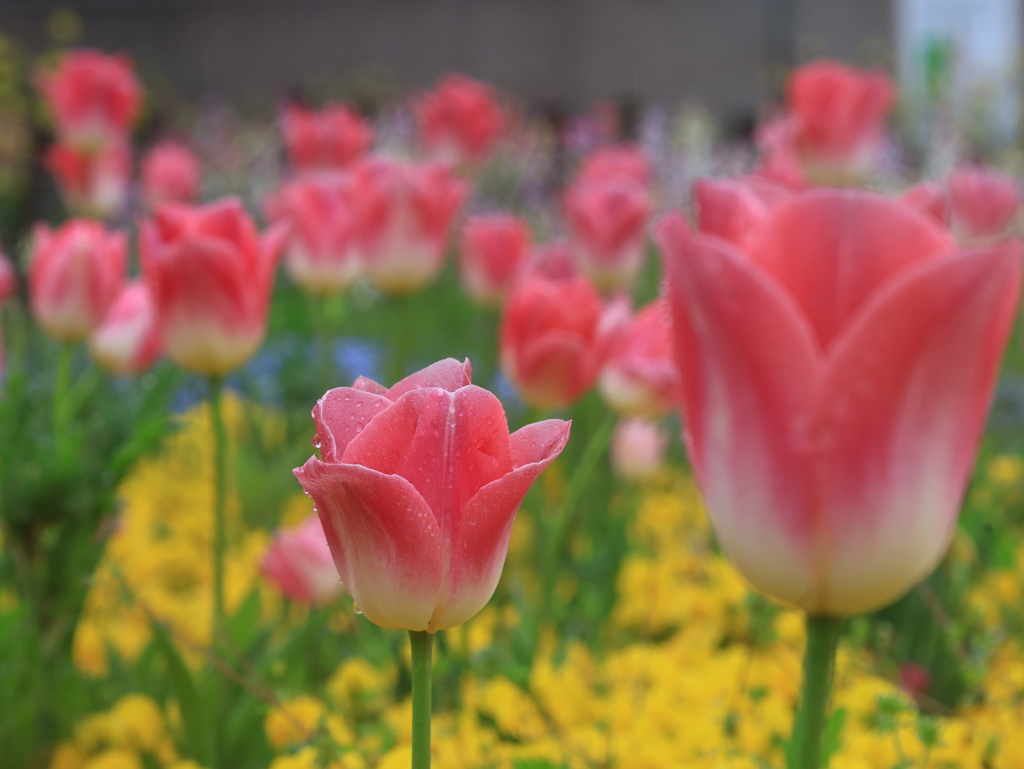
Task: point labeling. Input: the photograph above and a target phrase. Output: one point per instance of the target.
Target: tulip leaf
(193, 711)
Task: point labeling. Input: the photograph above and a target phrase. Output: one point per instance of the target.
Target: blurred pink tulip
(128, 340)
(329, 139)
(299, 562)
(211, 275)
(8, 278)
(494, 249)
(75, 274)
(735, 208)
(628, 161)
(984, 204)
(93, 183)
(555, 336)
(637, 449)
(170, 174)
(833, 424)
(639, 379)
(929, 198)
(460, 120)
(607, 219)
(417, 490)
(93, 98)
(403, 214)
(321, 254)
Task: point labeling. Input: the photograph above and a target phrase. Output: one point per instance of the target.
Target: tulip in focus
(330, 139)
(637, 449)
(320, 254)
(403, 216)
(627, 161)
(639, 378)
(170, 174)
(93, 183)
(608, 222)
(735, 208)
(984, 204)
(836, 378)
(417, 488)
(75, 274)
(211, 274)
(128, 340)
(299, 562)
(929, 198)
(555, 336)
(494, 249)
(460, 120)
(93, 98)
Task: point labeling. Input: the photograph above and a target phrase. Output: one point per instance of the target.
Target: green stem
(422, 647)
(61, 404)
(220, 451)
(819, 663)
(400, 330)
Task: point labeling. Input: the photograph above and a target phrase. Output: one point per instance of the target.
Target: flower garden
(439, 433)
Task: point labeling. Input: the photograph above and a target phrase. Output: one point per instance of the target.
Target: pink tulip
(780, 162)
(607, 219)
(735, 209)
(299, 562)
(211, 275)
(639, 379)
(403, 215)
(128, 340)
(460, 120)
(637, 450)
(330, 139)
(928, 198)
(93, 98)
(555, 336)
(8, 278)
(554, 259)
(417, 490)
(321, 254)
(836, 377)
(984, 204)
(494, 250)
(170, 174)
(75, 274)
(622, 161)
(93, 183)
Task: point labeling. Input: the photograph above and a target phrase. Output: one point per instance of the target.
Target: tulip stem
(422, 649)
(61, 397)
(819, 664)
(219, 495)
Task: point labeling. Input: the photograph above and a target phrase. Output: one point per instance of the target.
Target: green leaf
(198, 736)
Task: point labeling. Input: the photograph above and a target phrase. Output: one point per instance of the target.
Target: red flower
(8, 278)
(330, 139)
(75, 274)
(735, 209)
(170, 174)
(929, 198)
(637, 449)
(128, 340)
(460, 120)
(639, 378)
(836, 376)
(627, 161)
(984, 204)
(92, 183)
(211, 275)
(299, 562)
(494, 250)
(417, 489)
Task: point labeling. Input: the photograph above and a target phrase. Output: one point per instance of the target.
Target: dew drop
(472, 521)
(316, 444)
(356, 609)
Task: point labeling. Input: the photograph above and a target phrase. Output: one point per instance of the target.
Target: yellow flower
(115, 759)
(67, 756)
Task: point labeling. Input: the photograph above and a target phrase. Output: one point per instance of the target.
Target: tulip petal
(384, 539)
(479, 550)
(448, 374)
(831, 249)
(902, 409)
(749, 365)
(340, 416)
(369, 386)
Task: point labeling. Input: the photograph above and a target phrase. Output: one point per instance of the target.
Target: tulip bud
(211, 275)
(417, 488)
(626, 161)
(330, 139)
(637, 450)
(299, 562)
(402, 217)
(128, 341)
(170, 174)
(460, 120)
(928, 198)
(639, 378)
(735, 208)
(93, 183)
(494, 250)
(984, 204)
(75, 274)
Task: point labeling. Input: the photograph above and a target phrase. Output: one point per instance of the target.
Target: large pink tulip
(607, 218)
(75, 274)
(836, 377)
(639, 379)
(211, 275)
(330, 139)
(460, 120)
(321, 254)
(417, 489)
(94, 98)
(299, 562)
(984, 204)
(494, 249)
(555, 336)
(403, 216)
(93, 183)
(128, 340)
(170, 174)
(735, 208)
